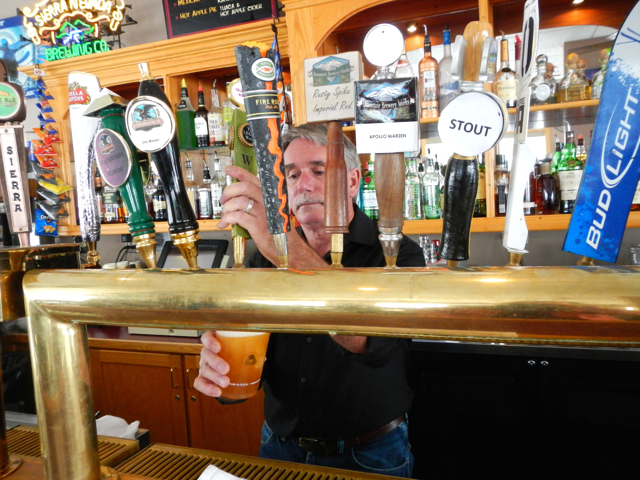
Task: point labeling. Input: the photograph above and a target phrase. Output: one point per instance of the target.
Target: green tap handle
(140, 222)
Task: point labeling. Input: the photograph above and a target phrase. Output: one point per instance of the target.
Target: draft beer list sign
(185, 17)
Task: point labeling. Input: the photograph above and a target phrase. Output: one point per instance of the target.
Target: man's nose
(307, 182)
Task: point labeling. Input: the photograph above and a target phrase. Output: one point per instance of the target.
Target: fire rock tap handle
(336, 192)
(389, 168)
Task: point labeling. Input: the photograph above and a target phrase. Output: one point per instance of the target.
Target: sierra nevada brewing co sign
(185, 17)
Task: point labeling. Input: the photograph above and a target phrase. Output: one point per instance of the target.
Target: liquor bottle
(428, 82)
(412, 205)
(218, 184)
(573, 87)
(598, 78)
(449, 84)
(547, 190)
(529, 203)
(551, 81)
(582, 66)
(557, 156)
(369, 199)
(581, 151)
(403, 68)
(185, 116)
(569, 173)
(97, 185)
(160, 203)
(431, 192)
(215, 120)
(191, 187)
(501, 176)
(540, 88)
(505, 84)
(113, 211)
(200, 121)
(227, 115)
(480, 207)
(204, 193)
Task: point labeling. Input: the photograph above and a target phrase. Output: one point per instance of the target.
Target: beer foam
(222, 333)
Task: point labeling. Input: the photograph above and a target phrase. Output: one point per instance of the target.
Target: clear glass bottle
(501, 181)
(547, 190)
(215, 120)
(505, 84)
(428, 82)
(412, 205)
(369, 199)
(480, 207)
(582, 66)
(218, 184)
(573, 87)
(191, 186)
(540, 88)
(449, 84)
(552, 82)
(598, 78)
(569, 173)
(204, 193)
(185, 116)
(581, 151)
(200, 121)
(403, 68)
(431, 192)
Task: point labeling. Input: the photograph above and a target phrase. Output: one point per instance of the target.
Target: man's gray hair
(317, 134)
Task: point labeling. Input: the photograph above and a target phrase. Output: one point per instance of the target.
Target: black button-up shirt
(314, 387)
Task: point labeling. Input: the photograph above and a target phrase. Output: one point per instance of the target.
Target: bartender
(330, 400)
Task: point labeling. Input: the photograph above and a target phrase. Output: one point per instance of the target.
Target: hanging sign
(185, 17)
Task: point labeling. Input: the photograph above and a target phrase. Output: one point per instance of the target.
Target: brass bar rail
(594, 306)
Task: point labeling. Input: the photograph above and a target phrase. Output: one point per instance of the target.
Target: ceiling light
(576, 2)
(412, 26)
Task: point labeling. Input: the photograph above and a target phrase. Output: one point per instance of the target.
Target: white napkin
(214, 473)
(111, 426)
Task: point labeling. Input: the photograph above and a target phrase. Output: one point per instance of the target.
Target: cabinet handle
(531, 363)
(173, 383)
(189, 382)
(544, 363)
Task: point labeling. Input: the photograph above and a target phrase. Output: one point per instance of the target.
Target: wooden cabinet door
(142, 386)
(222, 428)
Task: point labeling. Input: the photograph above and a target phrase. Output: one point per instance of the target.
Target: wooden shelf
(413, 227)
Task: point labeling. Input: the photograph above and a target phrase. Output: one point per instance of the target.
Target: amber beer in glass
(245, 353)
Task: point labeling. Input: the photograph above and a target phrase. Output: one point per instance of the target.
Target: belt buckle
(312, 445)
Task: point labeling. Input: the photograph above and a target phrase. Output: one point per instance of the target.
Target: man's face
(304, 164)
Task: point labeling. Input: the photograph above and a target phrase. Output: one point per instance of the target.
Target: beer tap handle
(336, 192)
(389, 168)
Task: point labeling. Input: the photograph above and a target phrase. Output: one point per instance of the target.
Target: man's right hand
(213, 369)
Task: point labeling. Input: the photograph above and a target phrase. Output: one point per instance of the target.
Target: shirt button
(303, 380)
(309, 339)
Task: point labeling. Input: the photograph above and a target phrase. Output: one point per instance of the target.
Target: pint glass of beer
(245, 353)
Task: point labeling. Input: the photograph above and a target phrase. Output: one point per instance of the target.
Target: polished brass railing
(550, 305)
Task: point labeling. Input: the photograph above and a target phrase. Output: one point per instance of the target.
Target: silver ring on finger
(249, 206)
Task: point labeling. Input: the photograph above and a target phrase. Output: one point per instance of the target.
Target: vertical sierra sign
(184, 17)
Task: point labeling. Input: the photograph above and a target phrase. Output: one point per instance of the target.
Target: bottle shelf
(411, 227)
(540, 116)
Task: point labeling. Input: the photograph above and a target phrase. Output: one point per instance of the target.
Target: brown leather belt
(319, 446)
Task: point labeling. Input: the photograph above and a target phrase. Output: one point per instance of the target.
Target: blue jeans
(388, 455)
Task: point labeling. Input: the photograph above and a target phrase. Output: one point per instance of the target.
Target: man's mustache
(305, 199)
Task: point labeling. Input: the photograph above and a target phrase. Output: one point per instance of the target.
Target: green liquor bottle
(412, 205)
(557, 156)
(431, 192)
(369, 199)
(569, 172)
(480, 207)
(186, 120)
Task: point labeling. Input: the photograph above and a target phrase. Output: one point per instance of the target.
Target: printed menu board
(185, 17)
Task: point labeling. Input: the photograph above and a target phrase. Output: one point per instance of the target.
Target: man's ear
(353, 181)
